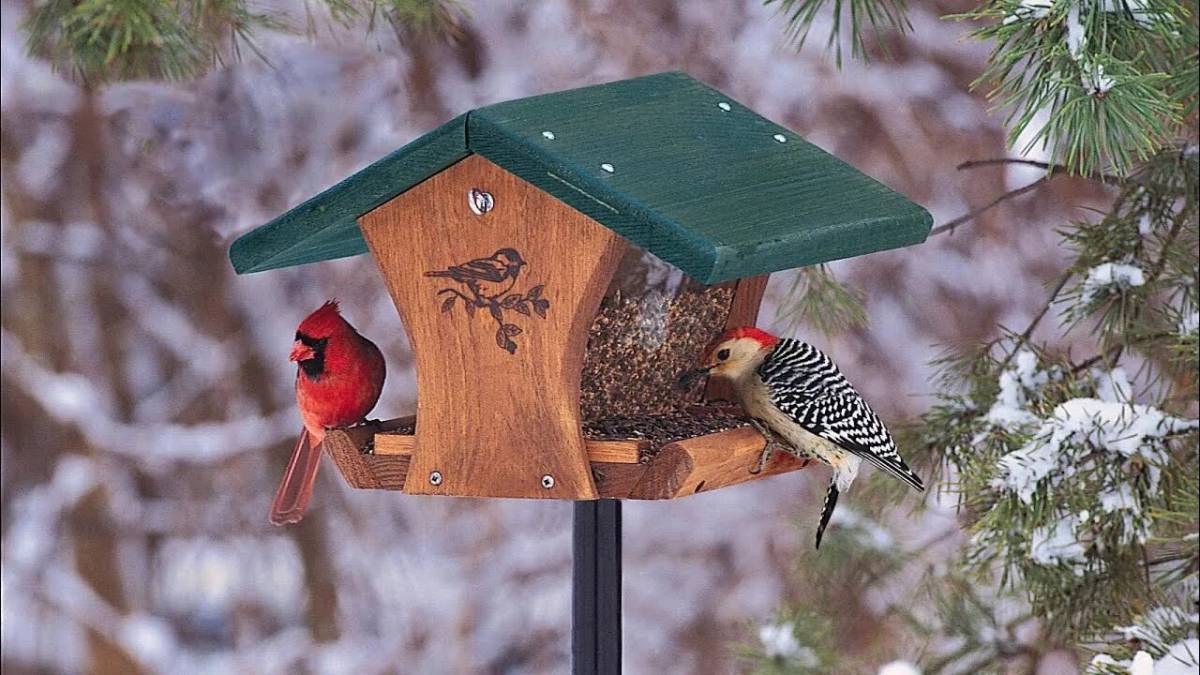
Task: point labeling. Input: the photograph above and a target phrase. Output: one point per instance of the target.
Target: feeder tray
(547, 348)
(377, 456)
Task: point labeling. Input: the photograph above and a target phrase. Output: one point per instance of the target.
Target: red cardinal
(338, 381)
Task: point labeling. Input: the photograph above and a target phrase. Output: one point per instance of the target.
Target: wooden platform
(377, 457)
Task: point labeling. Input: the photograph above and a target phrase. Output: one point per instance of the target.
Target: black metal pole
(596, 587)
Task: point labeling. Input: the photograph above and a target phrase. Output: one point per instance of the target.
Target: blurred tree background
(1070, 452)
(1042, 344)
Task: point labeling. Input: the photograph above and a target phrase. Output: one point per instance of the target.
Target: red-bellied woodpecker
(793, 389)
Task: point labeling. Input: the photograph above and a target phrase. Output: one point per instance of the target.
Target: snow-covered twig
(71, 398)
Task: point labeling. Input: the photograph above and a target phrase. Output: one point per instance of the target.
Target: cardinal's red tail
(297, 486)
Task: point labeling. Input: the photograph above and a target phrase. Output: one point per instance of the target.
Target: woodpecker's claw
(771, 446)
(768, 449)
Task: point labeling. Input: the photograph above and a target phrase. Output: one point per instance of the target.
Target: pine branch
(973, 214)
(100, 41)
(1176, 227)
(1023, 338)
(817, 296)
(1104, 87)
(1053, 171)
(873, 17)
(1106, 178)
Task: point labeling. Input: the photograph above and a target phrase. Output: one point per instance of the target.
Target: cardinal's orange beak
(301, 352)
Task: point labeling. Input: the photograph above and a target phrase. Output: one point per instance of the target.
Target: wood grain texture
(367, 471)
(747, 298)
(494, 420)
(394, 444)
(708, 463)
(743, 311)
(679, 469)
(614, 464)
(616, 480)
(616, 452)
(612, 452)
(696, 178)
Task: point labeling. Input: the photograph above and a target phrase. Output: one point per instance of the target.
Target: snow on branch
(1068, 467)
(1077, 430)
(1106, 278)
(1016, 383)
(73, 399)
(174, 329)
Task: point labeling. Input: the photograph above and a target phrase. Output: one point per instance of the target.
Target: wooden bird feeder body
(540, 333)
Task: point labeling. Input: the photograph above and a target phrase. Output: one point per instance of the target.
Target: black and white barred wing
(809, 388)
(848, 421)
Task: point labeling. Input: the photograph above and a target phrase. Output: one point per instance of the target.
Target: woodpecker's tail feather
(440, 273)
(895, 467)
(831, 497)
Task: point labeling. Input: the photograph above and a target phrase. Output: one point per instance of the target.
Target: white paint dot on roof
(780, 137)
(548, 135)
(724, 106)
(607, 167)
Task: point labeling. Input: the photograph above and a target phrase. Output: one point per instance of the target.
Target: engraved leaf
(540, 306)
(470, 308)
(496, 313)
(536, 291)
(501, 338)
(511, 329)
(509, 301)
(449, 303)
(522, 306)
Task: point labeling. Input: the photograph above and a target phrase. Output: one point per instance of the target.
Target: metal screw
(780, 137)
(547, 481)
(481, 202)
(435, 478)
(607, 167)
(724, 106)
(548, 135)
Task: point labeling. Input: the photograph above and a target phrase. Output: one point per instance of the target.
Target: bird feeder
(557, 261)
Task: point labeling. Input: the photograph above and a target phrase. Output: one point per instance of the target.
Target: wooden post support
(596, 588)
(496, 282)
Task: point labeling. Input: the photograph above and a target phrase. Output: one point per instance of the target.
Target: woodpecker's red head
(734, 354)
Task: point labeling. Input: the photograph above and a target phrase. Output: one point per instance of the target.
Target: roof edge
(297, 237)
(856, 239)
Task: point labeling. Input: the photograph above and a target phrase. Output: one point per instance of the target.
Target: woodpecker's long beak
(690, 376)
(301, 352)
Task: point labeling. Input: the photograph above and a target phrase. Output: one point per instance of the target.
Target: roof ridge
(625, 215)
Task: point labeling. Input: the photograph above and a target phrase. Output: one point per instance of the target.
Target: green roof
(674, 166)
